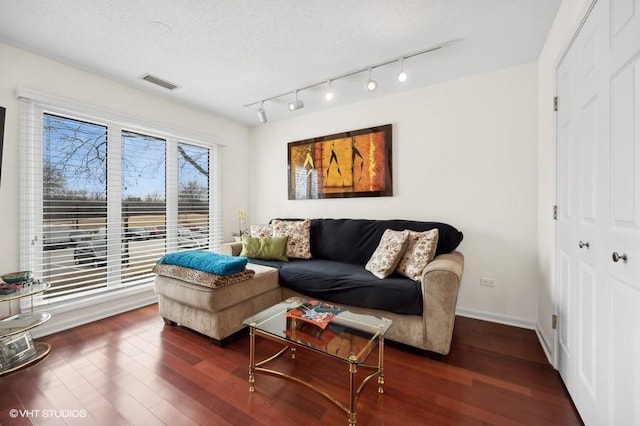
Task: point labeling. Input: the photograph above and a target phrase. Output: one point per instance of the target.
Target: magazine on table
(315, 312)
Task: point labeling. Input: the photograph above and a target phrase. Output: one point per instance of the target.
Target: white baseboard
(497, 318)
(66, 319)
(546, 347)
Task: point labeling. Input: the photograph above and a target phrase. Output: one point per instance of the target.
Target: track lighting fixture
(297, 104)
(329, 94)
(372, 85)
(262, 114)
(402, 77)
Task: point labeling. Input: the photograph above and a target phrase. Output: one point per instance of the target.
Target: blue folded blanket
(206, 261)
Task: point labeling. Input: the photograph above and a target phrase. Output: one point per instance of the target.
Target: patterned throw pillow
(299, 233)
(261, 231)
(421, 248)
(386, 257)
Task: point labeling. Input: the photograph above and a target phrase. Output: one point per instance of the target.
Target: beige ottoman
(217, 312)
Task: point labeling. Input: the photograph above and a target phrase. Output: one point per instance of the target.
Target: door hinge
(554, 321)
(555, 212)
(555, 103)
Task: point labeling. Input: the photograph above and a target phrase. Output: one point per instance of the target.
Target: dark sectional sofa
(423, 312)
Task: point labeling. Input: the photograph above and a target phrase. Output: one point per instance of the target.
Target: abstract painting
(350, 164)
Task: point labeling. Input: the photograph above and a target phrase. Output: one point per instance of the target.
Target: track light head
(402, 76)
(329, 95)
(262, 114)
(372, 85)
(297, 104)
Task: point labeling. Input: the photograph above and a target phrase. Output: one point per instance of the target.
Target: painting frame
(3, 111)
(356, 163)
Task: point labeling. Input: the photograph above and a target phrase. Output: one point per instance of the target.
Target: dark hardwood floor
(132, 369)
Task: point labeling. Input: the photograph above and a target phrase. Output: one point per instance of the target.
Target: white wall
(564, 27)
(464, 152)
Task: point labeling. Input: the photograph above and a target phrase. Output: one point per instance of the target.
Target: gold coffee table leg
(252, 358)
(353, 398)
(381, 365)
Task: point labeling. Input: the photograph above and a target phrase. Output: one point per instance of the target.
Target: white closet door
(567, 196)
(582, 190)
(623, 245)
(593, 106)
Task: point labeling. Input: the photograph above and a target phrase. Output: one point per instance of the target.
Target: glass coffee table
(347, 337)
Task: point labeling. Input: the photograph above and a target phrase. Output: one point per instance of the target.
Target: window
(193, 196)
(143, 209)
(102, 198)
(74, 199)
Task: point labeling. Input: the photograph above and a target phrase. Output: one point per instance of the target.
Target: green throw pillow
(266, 248)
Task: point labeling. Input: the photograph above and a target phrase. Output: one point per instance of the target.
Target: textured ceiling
(224, 54)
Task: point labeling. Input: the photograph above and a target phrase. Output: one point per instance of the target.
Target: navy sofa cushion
(350, 284)
(340, 248)
(355, 240)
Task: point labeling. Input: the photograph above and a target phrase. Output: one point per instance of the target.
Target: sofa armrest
(231, 249)
(440, 285)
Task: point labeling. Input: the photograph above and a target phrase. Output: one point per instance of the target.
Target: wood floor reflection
(131, 369)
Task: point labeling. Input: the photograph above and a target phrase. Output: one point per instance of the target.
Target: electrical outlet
(488, 282)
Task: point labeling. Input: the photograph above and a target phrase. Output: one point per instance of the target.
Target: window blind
(102, 197)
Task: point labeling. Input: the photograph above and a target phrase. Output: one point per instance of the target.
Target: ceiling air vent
(160, 82)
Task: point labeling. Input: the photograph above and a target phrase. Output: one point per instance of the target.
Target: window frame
(33, 106)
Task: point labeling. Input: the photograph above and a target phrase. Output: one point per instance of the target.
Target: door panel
(624, 354)
(623, 235)
(622, 11)
(587, 321)
(582, 186)
(625, 30)
(588, 167)
(625, 197)
(565, 275)
(566, 183)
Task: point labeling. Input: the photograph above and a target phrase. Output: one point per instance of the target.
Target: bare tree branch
(192, 161)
